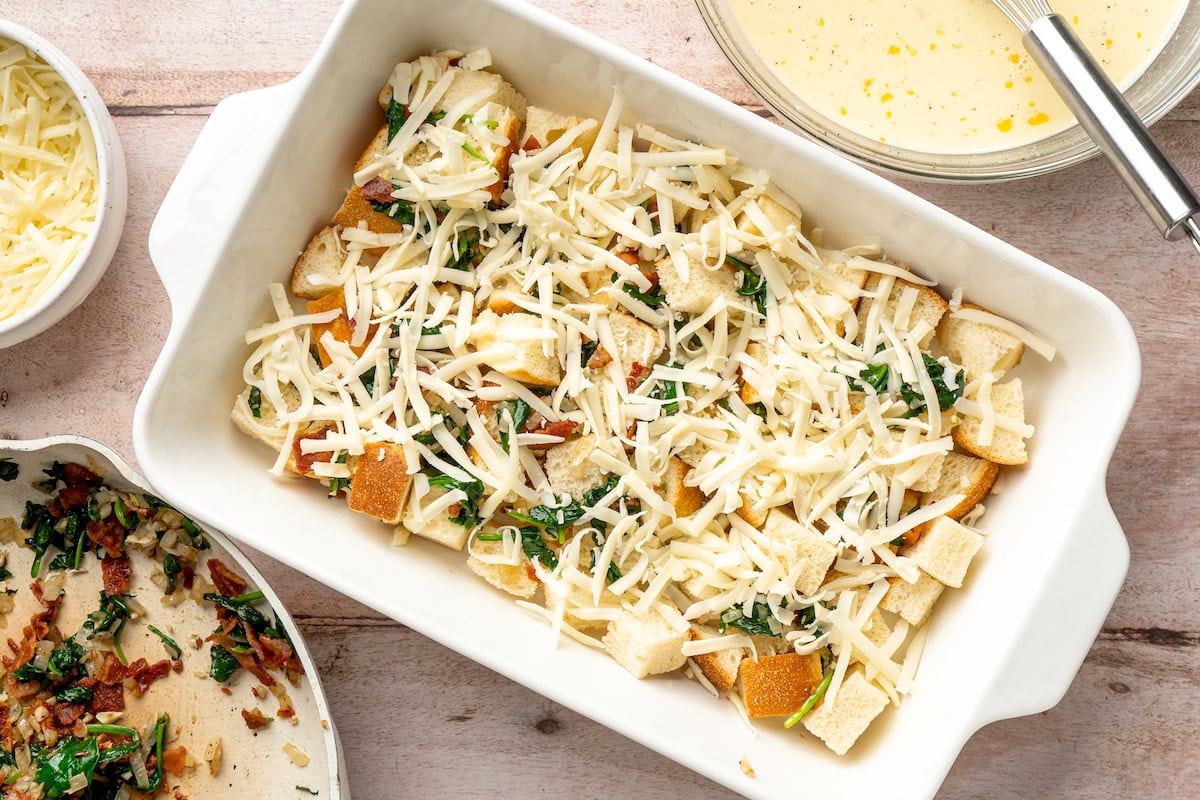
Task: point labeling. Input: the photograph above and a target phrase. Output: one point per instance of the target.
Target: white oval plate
(253, 763)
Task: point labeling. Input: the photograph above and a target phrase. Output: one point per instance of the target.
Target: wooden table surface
(420, 721)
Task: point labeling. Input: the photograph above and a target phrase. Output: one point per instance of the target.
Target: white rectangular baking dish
(271, 166)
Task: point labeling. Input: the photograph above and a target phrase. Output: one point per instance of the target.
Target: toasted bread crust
(380, 482)
(775, 686)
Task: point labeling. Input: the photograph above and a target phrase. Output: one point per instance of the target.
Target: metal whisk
(1107, 118)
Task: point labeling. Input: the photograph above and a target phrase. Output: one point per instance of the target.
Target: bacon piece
(109, 533)
(175, 760)
(144, 673)
(378, 190)
(303, 462)
(279, 652)
(6, 731)
(108, 698)
(35, 631)
(73, 497)
(254, 668)
(255, 719)
(228, 582)
(76, 474)
(562, 428)
(111, 671)
(55, 509)
(246, 660)
(600, 358)
(629, 257)
(531, 144)
(117, 571)
(636, 373)
(65, 714)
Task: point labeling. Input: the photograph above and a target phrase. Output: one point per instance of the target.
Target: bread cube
(322, 259)
(515, 352)
(516, 579)
(645, 645)
(748, 393)
(812, 548)
(966, 475)
(569, 470)
(776, 686)
(755, 516)
(702, 288)
(683, 498)
(503, 299)
(339, 327)
(857, 704)
(720, 667)
(375, 149)
(978, 347)
(355, 209)
(544, 127)
(945, 550)
(379, 484)
(637, 342)
(931, 476)
(266, 427)
(929, 307)
(877, 630)
(488, 87)
(1006, 447)
(440, 528)
(912, 602)
(386, 92)
(776, 213)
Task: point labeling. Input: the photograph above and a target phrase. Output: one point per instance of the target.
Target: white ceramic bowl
(77, 282)
(254, 763)
(1008, 644)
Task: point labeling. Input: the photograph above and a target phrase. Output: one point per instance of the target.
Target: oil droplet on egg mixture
(942, 76)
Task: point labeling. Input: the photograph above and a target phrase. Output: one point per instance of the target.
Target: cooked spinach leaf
(753, 284)
(533, 542)
(223, 664)
(874, 375)
(757, 624)
(396, 115)
(74, 694)
(468, 508)
(915, 399)
(554, 519)
(255, 402)
(520, 411)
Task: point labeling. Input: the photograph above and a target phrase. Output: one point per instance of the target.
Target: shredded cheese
(49, 179)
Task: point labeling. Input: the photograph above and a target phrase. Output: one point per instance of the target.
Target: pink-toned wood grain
(420, 721)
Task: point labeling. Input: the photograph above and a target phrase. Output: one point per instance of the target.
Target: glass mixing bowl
(1167, 81)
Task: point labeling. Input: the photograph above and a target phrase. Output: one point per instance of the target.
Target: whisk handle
(1112, 124)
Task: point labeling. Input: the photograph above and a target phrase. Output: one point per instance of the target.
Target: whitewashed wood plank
(1128, 727)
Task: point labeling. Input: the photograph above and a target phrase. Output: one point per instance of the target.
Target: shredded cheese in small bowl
(62, 185)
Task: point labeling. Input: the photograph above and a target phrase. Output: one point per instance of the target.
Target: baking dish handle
(1066, 617)
(210, 190)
